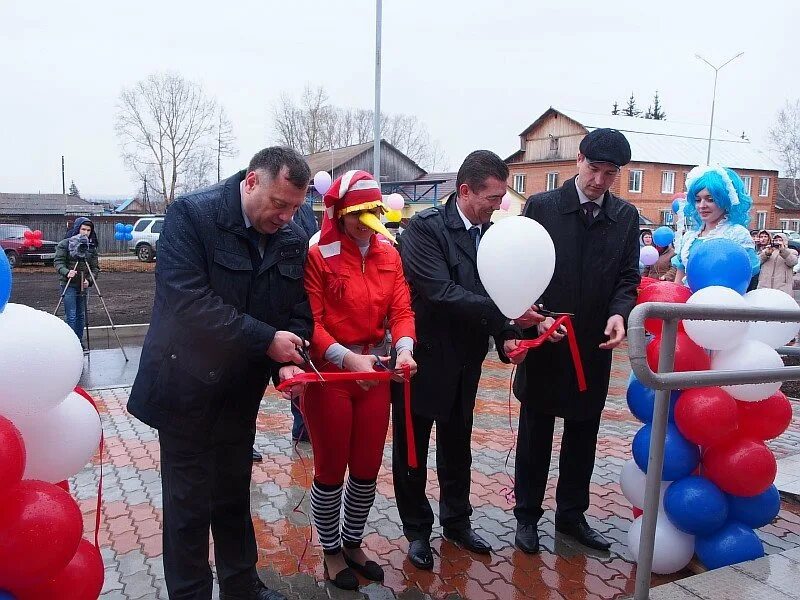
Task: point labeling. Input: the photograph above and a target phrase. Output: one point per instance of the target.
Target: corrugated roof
(46, 204)
(676, 143)
(331, 159)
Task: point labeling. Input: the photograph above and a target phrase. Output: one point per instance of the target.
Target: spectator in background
(764, 240)
(662, 269)
(777, 260)
(645, 239)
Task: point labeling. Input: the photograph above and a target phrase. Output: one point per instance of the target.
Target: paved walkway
(131, 512)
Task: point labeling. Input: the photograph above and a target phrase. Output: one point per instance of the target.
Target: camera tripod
(86, 304)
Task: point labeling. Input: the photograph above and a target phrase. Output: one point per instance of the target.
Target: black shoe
(527, 538)
(581, 532)
(258, 592)
(262, 592)
(257, 456)
(303, 438)
(344, 580)
(468, 539)
(370, 569)
(420, 555)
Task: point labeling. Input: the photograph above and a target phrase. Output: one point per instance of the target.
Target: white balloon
(673, 548)
(750, 354)
(773, 334)
(648, 255)
(516, 260)
(717, 335)
(40, 361)
(322, 181)
(633, 481)
(395, 202)
(60, 441)
(314, 239)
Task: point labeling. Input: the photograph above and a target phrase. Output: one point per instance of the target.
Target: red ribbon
(86, 395)
(573, 347)
(338, 376)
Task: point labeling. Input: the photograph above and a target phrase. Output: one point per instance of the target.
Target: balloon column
(47, 434)
(123, 232)
(32, 239)
(718, 473)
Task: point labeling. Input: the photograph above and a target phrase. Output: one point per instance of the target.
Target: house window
(748, 184)
(795, 225)
(685, 177)
(553, 144)
(552, 181)
(763, 189)
(668, 182)
(519, 183)
(762, 220)
(635, 181)
(666, 216)
(783, 224)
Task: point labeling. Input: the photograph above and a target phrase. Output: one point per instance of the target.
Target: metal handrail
(665, 381)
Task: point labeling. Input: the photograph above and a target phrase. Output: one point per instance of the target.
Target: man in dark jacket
(454, 319)
(73, 262)
(230, 312)
(597, 254)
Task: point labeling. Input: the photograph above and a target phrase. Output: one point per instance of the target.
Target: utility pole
(63, 179)
(376, 149)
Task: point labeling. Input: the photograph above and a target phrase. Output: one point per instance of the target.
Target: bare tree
(785, 137)
(315, 125)
(226, 141)
(167, 127)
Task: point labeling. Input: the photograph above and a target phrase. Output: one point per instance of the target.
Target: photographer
(75, 255)
(777, 260)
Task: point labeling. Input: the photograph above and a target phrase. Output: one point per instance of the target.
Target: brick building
(787, 206)
(662, 154)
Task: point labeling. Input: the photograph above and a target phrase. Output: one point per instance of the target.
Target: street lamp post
(714, 97)
(376, 136)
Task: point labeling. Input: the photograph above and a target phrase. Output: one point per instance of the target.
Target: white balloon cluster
(40, 364)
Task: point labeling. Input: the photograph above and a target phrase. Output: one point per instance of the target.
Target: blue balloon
(5, 280)
(695, 505)
(756, 511)
(641, 400)
(663, 236)
(732, 544)
(681, 457)
(676, 206)
(6, 595)
(718, 261)
(128, 228)
(119, 236)
(128, 236)
(119, 227)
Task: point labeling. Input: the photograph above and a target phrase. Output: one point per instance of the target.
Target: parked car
(145, 237)
(12, 238)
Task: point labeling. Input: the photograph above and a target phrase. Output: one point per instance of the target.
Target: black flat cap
(606, 145)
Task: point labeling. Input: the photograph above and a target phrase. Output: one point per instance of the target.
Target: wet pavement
(131, 510)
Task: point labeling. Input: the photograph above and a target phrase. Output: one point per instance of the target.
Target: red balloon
(37, 243)
(37, 234)
(688, 355)
(637, 512)
(706, 416)
(740, 466)
(12, 455)
(81, 579)
(40, 528)
(28, 234)
(663, 291)
(64, 485)
(766, 419)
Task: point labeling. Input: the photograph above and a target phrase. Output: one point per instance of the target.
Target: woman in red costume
(356, 287)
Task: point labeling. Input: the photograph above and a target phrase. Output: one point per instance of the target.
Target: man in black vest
(596, 275)
(454, 319)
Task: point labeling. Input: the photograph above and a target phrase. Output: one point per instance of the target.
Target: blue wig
(737, 214)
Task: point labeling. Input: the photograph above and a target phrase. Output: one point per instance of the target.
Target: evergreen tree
(73, 190)
(630, 110)
(657, 111)
(615, 109)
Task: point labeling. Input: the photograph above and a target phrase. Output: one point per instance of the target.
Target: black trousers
(575, 465)
(453, 466)
(206, 484)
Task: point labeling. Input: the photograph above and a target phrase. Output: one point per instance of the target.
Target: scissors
(389, 365)
(301, 350)
(549, 313)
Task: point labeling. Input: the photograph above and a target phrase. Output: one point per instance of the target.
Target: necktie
(475, 234)
(259, 240)
(588, 212)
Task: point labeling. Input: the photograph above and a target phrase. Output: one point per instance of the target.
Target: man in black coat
(596, 274)
(454, 320)
(230, 312)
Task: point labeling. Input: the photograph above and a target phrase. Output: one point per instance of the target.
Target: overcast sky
(476, 72)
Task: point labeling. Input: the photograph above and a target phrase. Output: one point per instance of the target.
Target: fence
(665, 381)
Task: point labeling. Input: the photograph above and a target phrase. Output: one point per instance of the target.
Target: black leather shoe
(264, 593)
(527, 538)
(370, 569)
(468, 539)
(581, 532)
(344, 580)
(257, 456)
(420, 555)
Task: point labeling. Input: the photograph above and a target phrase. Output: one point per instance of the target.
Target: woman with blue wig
(717, 205)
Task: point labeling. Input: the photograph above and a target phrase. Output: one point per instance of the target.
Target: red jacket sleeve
(315, 288)
(401, 316)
